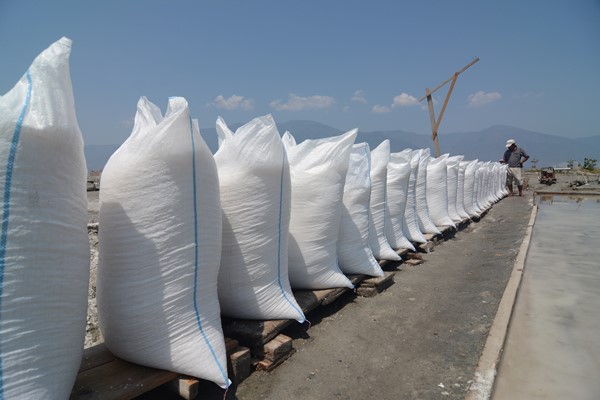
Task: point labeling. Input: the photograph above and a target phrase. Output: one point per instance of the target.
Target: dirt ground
(421, 338)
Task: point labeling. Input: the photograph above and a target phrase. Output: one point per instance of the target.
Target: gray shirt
(513, 158)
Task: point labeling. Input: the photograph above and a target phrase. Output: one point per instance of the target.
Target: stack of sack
(187, 236)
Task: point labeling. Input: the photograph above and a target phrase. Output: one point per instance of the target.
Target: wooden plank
(118, 380)
(252, 333)
(328, 296)
(373, 286)
(230, 344)
(307, 300)
(239, 364)
(186, 388)
(378, 280)
(267, 365)
(278, 348)
(95, 356)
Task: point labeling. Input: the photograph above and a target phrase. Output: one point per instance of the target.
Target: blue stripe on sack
(198, 321)
(6, 205)
(279, 239)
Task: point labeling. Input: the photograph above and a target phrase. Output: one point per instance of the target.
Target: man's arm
(523, 156)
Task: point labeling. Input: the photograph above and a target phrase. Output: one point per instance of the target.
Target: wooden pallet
(104, 376)
(275, 352)
(250, 345)
(373, 286)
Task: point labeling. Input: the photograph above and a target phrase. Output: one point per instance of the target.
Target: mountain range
(485, 145)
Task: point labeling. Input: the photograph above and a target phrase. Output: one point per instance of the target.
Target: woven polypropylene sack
(44, 248)
(318, 172)
(398, 176)
(425, 223)
(496, 190)
(160, 247)
(477, 203)
(254, 178)
(437, 192)
(452, 180)
(480, 175)
(460, 190)
(469, 193)
(355, 255)
(411, 219)
(488, 198)
(485, 197)
(380, 156)
(501, 180)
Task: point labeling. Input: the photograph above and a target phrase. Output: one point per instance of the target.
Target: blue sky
(345, 63)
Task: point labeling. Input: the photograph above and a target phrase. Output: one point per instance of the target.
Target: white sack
(480, 186)
(160, 247)
(486, 197)
(477, 189)
(423, 218)
(318, 171)
(469, 196)
(380, 157)
(411, 219)
(460, 190)
(44, 248)
(502, 171)
(496, 188)
(398, 177)
(355, 255)
(452, 180)
(489, 195)
(254, 178)
(437, 192)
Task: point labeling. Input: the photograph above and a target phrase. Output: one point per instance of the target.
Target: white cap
(510, 142)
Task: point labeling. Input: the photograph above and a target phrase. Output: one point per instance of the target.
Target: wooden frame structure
(435, 124)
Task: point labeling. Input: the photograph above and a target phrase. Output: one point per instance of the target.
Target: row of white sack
(174, 222)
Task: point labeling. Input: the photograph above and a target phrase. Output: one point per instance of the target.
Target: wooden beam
(434, 134)
(439, 119)
(449, 79)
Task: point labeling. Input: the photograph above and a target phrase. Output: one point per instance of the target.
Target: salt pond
(553, 343)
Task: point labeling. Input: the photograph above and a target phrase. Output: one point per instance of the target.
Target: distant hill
(485, 145)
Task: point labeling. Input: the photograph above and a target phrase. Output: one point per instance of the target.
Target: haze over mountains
(485, 145)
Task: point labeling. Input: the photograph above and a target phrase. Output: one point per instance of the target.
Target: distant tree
(589, 163)
(571, 163)
(534, 162)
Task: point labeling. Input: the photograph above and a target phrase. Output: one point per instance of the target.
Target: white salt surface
(553, 344)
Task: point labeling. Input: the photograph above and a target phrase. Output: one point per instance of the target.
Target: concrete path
(420, 339)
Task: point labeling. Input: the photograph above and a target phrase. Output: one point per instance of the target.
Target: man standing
(515, 157)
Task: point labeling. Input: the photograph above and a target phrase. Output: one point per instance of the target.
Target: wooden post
(434, 135)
